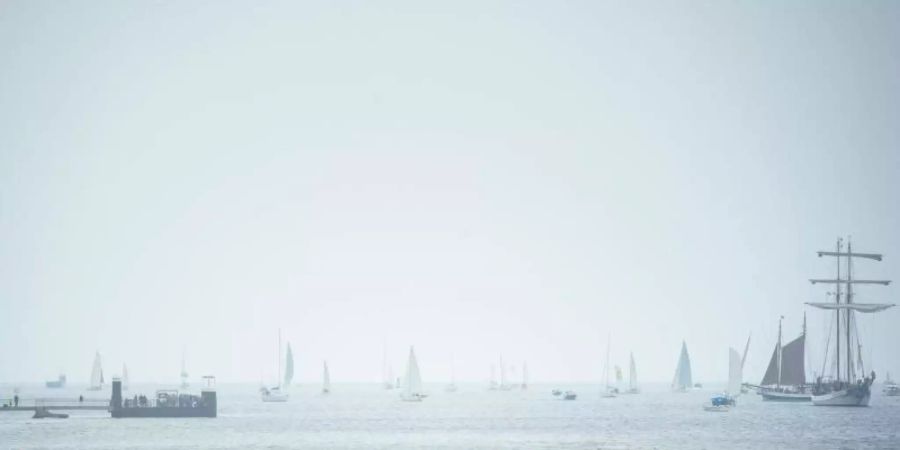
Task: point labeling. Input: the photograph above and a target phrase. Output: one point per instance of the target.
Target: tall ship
(166, 403)
(682, 380)
(785, 378)
(848, 384)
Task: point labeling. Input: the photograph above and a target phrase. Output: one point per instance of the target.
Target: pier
(54, 404)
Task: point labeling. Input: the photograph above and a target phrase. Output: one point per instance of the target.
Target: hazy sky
(478, 178)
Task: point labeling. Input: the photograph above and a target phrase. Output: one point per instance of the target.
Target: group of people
(137, 401)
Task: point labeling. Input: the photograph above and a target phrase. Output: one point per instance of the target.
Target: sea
(366, 416)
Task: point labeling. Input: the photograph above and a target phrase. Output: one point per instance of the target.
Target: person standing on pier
(16, 400)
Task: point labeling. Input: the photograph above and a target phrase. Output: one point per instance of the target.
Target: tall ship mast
(849, 385)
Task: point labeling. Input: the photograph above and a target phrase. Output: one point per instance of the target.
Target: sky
(528, 179)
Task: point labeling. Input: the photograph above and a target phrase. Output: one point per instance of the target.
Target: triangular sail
(96, 373)
(288, 366)
(413, 380)
(793, 371)
(683, 379)
(632, 374)
(735, 376)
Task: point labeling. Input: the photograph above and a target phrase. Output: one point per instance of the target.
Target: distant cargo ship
(59, 383)
(168, 403)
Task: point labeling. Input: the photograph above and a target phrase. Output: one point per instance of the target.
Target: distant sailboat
(632, 377)
(184, 372)
(288, 367)
(326, 378)
(387, 374)
(492, 382)
(412, 387)
(124, 377)
(682, 381)
(524, 375)
(608, 390)
(276, 393)
(504, 383)
(452, 386)
(96, 374)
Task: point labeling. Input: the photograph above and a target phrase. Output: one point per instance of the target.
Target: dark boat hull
(121, 413)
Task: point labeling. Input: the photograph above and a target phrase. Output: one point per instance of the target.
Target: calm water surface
(366, 417)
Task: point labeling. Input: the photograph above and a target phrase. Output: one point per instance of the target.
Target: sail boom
(874, 256)
(858, 307)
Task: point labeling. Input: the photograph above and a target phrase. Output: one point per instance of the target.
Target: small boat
(608, 391)
(59, 383)
(387, 373)
(682, 380)
(726, 400)
(569, 395)
(524, 376)
(890, 389)
(504, 383)
(326, 378)
(492, 383)
(276, 394)
(96, 374)
(632, 377)
(556, 392)
(42, 413)
(412, 387)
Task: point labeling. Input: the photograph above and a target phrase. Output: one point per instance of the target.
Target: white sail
(735, 375)
(288, 366)
(683, 380)
(326, 378)
(97, 373)
(632, 375)
(524, 375)
(124, 377)
(412, 382)
(502, 373)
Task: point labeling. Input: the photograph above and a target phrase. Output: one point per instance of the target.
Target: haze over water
(476, 179)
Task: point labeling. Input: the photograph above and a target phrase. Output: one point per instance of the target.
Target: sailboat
(492, 383)
(412, 387)
(608, 391)
(96, 374)
(124, 377)
(504, 384)
(387, 374)
(524, 375)
(682, 380)
(744, 389)
(288, 367)
(184, 373)
(452, 386)
(846, 387)
(326, 378)
(632, 377)
(276, 393)
(890, 388)
(785, 378)
(725, 401)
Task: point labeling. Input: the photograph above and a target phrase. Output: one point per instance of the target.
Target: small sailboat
(608, 391)
(492, 382)
(452, 386)
(569, 395)
(326, 378)
(184, 372)
(412, 388)
(682, 381)
(890, 388)
(632, 377)
(850, 386)
(96, 374)
(276, 393)
(524, 375)
(725, 401)
(504, 383)
(387, 373)
(124, 377)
